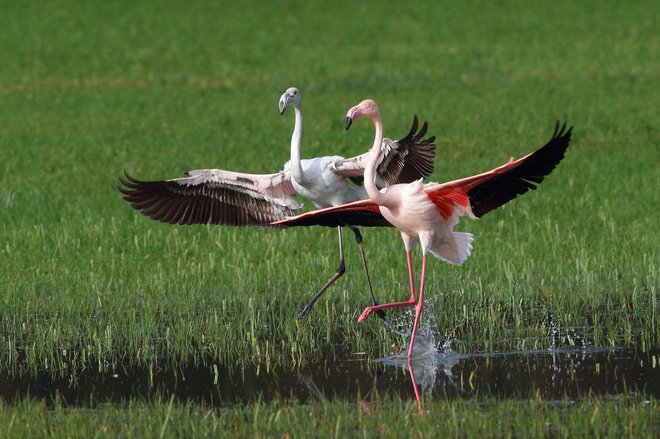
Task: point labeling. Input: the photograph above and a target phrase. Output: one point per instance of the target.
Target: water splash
(571, 353)
(429, 341)
(565, 372)
(430, 352)
(573, 336)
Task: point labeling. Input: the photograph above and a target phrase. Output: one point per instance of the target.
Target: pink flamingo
(426, 214)
(216, 196)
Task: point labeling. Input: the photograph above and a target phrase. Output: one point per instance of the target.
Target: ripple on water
(569, 372)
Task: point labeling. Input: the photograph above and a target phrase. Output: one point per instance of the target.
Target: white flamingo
(215, 196)
(426, 214)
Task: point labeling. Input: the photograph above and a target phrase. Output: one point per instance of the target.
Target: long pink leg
(368, 310)
(415, 388)
(418, 312)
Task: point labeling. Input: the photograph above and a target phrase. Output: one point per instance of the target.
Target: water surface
(558, 373)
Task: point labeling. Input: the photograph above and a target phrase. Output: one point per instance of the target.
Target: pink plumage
(426, 214)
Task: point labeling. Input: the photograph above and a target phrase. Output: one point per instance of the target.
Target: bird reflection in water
(430, 355)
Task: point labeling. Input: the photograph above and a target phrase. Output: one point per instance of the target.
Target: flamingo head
(290, 96)
(367, 109)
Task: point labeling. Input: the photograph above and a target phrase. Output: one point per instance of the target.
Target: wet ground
(558, 373)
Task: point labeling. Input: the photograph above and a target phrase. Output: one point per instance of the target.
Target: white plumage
(216, 196)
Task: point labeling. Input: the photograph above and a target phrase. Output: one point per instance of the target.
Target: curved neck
(370, 169)
(296, 167)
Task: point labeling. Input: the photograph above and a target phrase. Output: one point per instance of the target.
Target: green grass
(595, 417)
(87, 90)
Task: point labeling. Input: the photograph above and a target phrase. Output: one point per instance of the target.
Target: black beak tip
(349, 121)
(282, 112)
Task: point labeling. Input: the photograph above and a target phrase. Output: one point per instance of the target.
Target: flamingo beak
(283, 104)
(349, 121)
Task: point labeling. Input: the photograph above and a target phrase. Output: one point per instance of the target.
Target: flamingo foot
(380, 313)
(365, 314)
(305, 311)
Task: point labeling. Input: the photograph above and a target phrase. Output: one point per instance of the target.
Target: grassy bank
(614, 417)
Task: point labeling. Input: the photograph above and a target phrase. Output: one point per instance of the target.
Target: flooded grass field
(545, 391)
(570, 368)
(564, 373)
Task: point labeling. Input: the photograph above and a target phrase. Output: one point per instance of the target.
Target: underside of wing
(408, 159)
(403, 161)
(359, 213)
(213, 196)
(523, 175)
(492, 189)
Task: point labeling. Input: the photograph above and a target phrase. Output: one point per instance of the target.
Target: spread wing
(474, 196)
(358, 213)
(402, 161)
(492, 189)
(214, 196)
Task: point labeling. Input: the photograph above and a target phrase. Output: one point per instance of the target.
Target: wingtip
(129, 178)
(128, 181)
(125, 183)
(561, 130)
(413, 130)
(123, 190)
(422, 132)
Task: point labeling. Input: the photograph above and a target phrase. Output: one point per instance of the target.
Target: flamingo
(216, 196)
(426, 214)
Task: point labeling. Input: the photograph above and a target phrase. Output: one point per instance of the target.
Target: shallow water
(571, 368)
(569, 372)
